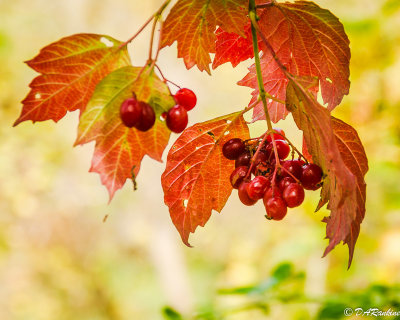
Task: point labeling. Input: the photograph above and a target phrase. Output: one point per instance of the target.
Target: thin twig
(165, 79)
(155, 15)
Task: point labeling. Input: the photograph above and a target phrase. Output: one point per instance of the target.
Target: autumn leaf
(119, 150)
(309, 41)
(336, 148)
(192, 24)
(70, 70)
(233, 48)
(196, 178)
(353, 155)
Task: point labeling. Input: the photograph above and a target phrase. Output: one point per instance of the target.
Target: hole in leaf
(329, 80)
(185, 203)
(226, 133)
(228, 121)
(38, 96)
(107, 42)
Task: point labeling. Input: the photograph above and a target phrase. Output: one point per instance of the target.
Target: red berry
(164, 115)
(311, 176)
(243, 160)
(276, 208)
(177, 119)
(237, 176)
(282, 147)
(272, 193)
(285, 182)
(293, 195)
(277, 136)
(147, 117)
(186, 98)
(243, 195)
(293, 166)
(130, 112)
(233, 148)
(257, 187)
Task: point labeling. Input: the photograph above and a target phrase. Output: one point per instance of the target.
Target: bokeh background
(59, 260)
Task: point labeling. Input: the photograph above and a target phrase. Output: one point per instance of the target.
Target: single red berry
(243, 195)
(147, 117)
(311, 176)
(164, 115)
(293, 195)
(233, 148)
(243, 160)
(292, 166)
(282, 147)
(186, 98)
(271, 193)
(276, 208)
(257, 187)
(280, 135)
(285, 182)
(130, 112)
(177, 119)
(237, 176)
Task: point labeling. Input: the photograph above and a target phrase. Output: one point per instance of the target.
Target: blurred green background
(59, 260)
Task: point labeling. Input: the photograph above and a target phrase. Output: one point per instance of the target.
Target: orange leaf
(192, 24)
(119, 150)
(70, 70)
(196, 179)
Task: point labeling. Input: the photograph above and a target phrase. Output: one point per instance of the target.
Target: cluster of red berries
(140, 115)
(281, 186)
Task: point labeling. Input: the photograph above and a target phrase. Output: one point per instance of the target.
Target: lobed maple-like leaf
(309, 41)
(337, 149)
(70, 70)
(196, 178)
(192, 23)
(119, 150)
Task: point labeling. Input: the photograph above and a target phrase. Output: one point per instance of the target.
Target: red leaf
(233, 48)
(119, 150)
(70, 70)
(192, 24)
(196, 179)
(353, 155)
(309, 41)
(336, 148)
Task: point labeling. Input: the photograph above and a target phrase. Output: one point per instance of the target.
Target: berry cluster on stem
(262, 171)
